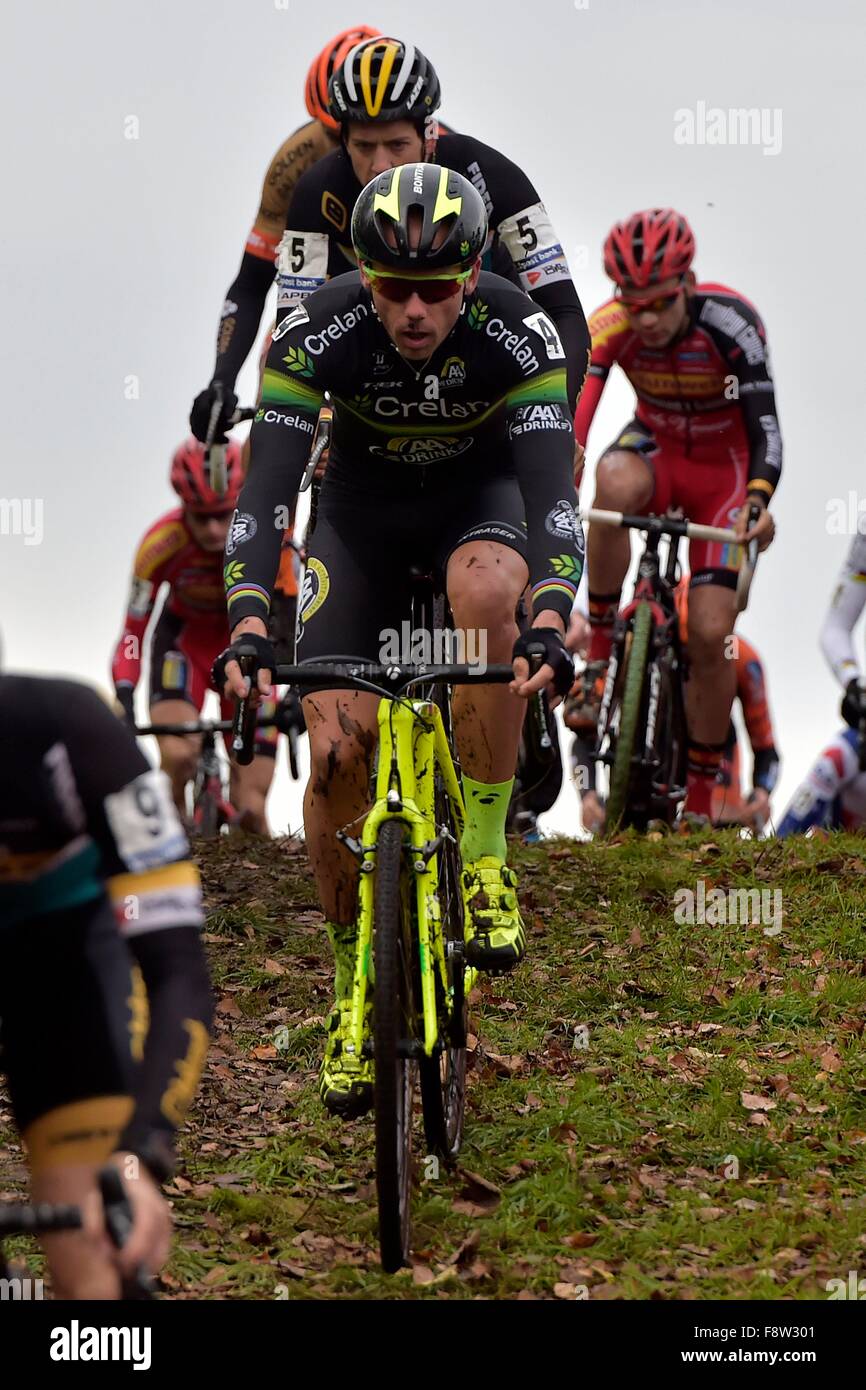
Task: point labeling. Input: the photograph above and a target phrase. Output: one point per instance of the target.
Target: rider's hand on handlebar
(763, 530)
(149, 1241)
(227, 672)
(203, 407)
(556, 672)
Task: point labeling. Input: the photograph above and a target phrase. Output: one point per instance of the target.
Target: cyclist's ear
(473, 278)
(690, 282)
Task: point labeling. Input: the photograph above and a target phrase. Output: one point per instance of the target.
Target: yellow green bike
(410, 954)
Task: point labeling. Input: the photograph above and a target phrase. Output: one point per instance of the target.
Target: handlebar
(199, 726)
(663, 526)
(681, 526)
(42, 1218)
(347, 673)
(20, 1219)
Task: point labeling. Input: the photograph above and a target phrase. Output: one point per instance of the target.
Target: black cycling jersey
(86, 826)
(524, 248)
(490, 402)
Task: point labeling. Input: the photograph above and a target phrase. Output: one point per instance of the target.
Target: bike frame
(412, 744)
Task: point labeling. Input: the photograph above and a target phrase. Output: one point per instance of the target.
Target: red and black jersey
(709, 390)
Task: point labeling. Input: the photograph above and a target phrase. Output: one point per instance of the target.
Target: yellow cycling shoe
(494, 931)
(345, 1080)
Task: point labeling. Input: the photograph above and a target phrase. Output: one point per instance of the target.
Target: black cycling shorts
(68, 1006)
(358, 577)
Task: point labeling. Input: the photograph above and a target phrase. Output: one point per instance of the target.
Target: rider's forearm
(766, 768)
(765, 441)
(543, 461)
(836, 638)
(241, 316)
(179, 1011)
(268, 496)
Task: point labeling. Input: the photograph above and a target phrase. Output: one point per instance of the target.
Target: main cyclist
(705, 437)
(184, 549)
(452, 446)
(104, 992)
(383, 96)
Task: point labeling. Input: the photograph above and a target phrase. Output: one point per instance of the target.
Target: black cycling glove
(548, 644)
(854, 703)
(203, 407)
(248, 644)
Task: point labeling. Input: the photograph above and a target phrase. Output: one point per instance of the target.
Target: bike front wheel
(393, 1034)
(631, 707)
(443, 1077)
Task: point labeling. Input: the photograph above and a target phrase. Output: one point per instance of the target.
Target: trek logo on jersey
(242, 528)
(292, 319)
(422, 451)
(538, 417)
(544, 327)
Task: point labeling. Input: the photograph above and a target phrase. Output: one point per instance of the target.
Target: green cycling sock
(486, 814)
(344, 941)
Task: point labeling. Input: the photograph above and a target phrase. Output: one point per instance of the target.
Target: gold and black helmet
(383, 79)
(450, 220)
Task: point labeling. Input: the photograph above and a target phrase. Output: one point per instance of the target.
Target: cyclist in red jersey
(184, 549)
(705, 437)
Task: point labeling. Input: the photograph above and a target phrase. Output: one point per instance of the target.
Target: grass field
(656, 1109)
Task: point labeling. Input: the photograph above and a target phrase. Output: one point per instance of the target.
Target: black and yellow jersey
(490, 401)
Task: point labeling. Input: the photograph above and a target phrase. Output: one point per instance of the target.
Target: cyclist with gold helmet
(245, 296)
(705, 437)
(183, 550)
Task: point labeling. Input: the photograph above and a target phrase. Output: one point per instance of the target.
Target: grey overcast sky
(117, 252)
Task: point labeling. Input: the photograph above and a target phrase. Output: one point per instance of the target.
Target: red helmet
(651, 246)
(190, 478)
(322, 67)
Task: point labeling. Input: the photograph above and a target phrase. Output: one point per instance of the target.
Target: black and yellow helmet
(383, 79)
(453, 219)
